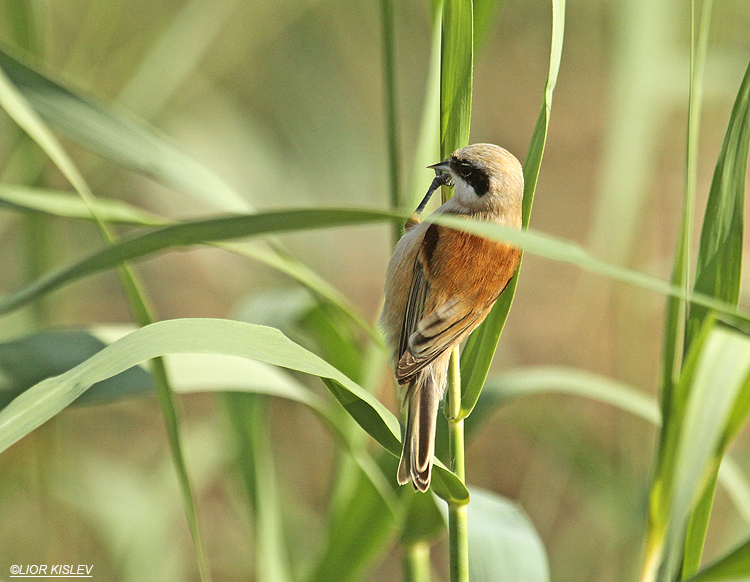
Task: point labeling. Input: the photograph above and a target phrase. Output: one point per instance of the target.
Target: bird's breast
(459, 263)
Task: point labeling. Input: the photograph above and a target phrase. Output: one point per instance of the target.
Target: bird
(440, 285)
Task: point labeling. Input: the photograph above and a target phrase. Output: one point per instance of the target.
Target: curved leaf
(59, 203)
(570, 381)
(47, 398)
(551, 379)
(29, 360)
(481, 345)
(115, 136)
(503, 544)
(224, 228)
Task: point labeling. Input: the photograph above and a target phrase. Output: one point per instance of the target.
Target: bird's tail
(422, 401)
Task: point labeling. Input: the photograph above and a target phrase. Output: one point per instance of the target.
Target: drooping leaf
(225, 228)
(114, 135)
(47, 398)
(29, 360)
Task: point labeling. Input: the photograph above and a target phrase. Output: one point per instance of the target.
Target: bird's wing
(414, 306)
(437, 332)
(447, 299)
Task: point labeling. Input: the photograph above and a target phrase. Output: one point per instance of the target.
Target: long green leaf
(719, 267)
(485, 15)
(732, 567)
(719, 270)
(427, 150)
(551, 379)
(248, 417)
(225, 228)
(66, 205)
(719, 358)
(20, 110)
(480, 348)
(388, 45)
(570, 381)
(115, 136)
(456, 74)
(359, 532)
(47, 398)
(58, 203)
(29, 360)
(675, 317)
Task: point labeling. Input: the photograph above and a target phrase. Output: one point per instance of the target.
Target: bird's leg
(441, 179)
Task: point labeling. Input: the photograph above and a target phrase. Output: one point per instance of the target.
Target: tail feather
(419, 438)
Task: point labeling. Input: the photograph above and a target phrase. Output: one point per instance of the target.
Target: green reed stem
(458, 523)
(417, 562)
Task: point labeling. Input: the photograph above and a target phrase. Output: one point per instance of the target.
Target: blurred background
(283, 99)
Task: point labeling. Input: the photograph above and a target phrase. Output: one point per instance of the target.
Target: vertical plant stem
(675, 324)
(389, 88)
(12, 101)
(456, 85)
(417, 562)
(458, 526)
(37, 245)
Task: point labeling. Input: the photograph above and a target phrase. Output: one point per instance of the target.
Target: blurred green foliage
(266, 105)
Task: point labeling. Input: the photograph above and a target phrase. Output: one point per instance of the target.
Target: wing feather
(414, 307)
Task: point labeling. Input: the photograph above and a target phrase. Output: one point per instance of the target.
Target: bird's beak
(442, 166)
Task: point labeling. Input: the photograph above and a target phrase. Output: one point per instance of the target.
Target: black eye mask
(472, 175)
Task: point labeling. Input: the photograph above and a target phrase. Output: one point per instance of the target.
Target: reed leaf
(45, 399)
(480, 347)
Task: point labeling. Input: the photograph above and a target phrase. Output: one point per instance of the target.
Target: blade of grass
(22, 113)
(719, 264)
(114, 135)
(711, 419)
(60, 203)
(248, 418)
(570, 381)
(718, 275)
(481, 345)
(388, 49)
(485, 15)
(676, 309)
(224, 228)
(456, 75)
(359, 532)
(28, 360)
(66, 205)
(233, 338)
(456, 84)
(427, 150)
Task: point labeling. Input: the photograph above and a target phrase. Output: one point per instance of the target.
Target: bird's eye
(466, 170)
